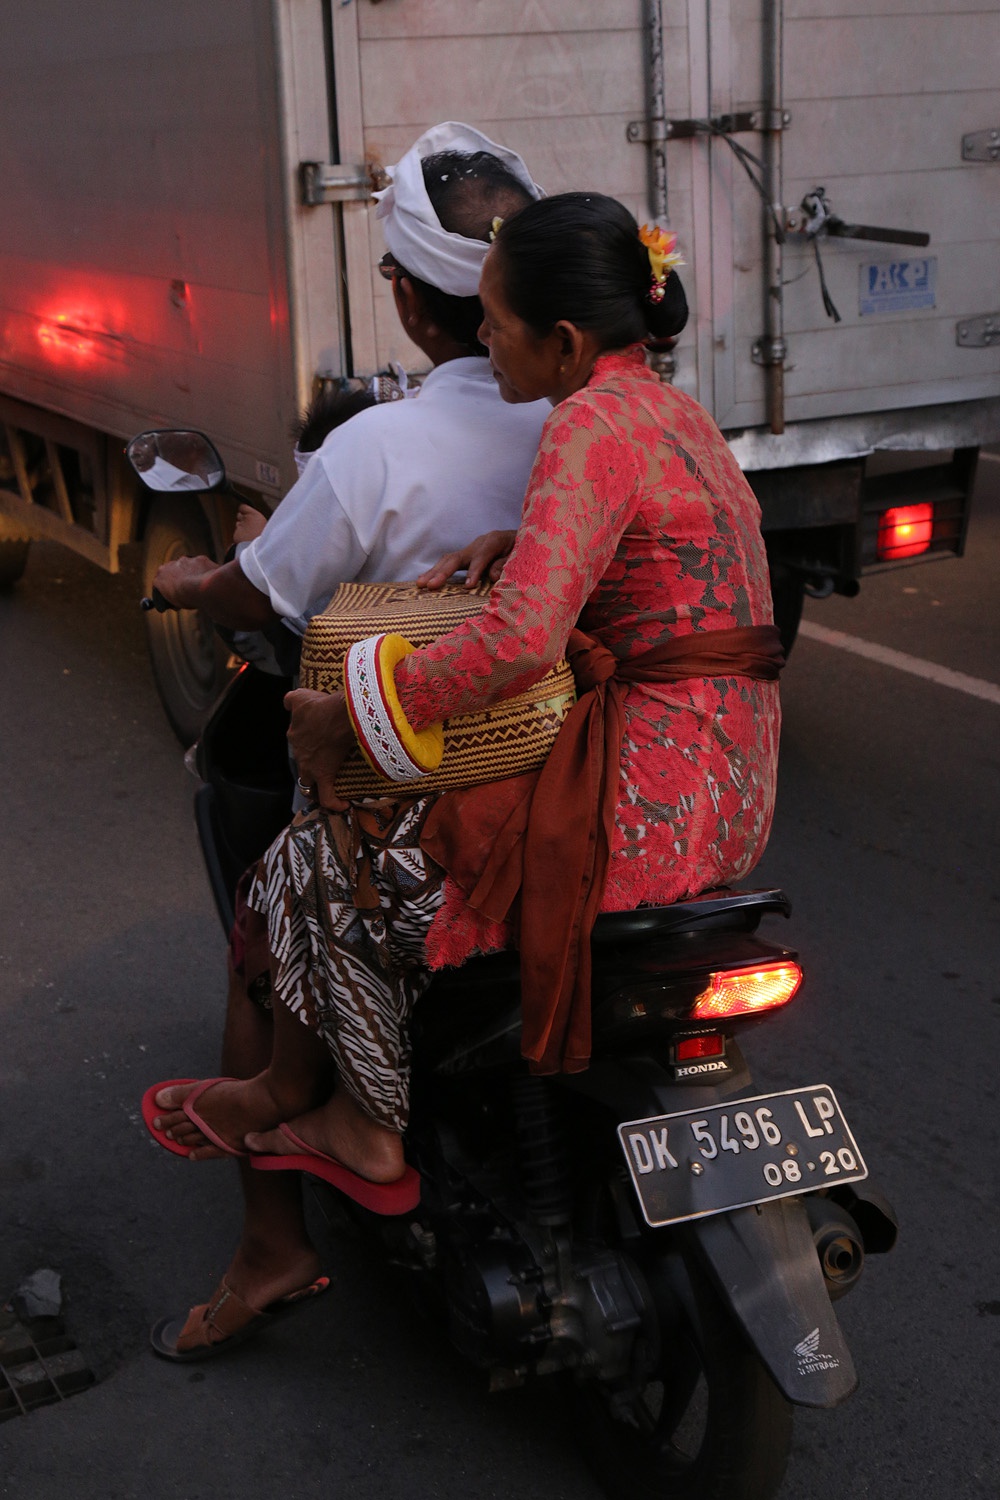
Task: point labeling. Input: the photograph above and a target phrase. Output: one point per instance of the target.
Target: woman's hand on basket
(321, 738)
(483, 557)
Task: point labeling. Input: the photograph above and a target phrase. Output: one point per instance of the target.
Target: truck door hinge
(981, 145)
(338, 182)
(978, 333)
(642, 132)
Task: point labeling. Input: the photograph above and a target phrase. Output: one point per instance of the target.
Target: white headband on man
(412, 229)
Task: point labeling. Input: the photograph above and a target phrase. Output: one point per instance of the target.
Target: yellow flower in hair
(661, 247)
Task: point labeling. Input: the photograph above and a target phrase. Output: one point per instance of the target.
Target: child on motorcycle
(330, 408)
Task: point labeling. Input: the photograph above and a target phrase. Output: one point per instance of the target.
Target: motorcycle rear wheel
(708, 1423)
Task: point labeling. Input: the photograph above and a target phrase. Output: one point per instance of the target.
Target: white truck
(188, 240)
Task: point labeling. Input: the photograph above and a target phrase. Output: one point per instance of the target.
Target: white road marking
(976, 687)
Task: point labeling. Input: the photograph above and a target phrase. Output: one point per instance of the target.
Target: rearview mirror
(176, 459)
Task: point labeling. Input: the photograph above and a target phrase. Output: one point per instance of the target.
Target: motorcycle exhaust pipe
(838, 1244)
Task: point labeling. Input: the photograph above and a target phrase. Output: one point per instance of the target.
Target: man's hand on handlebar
(484, 557)
(178, 580)
(222, 591)
(321, 738)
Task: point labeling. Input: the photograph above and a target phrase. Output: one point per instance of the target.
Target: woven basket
(512, 736)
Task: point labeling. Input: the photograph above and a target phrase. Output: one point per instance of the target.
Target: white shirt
(396, 487)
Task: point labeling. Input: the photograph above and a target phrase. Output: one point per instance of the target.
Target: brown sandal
(215, 1326)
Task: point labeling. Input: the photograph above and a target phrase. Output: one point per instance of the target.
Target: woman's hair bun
(578, 257)
(665, 319)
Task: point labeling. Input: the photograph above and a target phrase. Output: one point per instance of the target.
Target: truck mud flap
(763, 1262)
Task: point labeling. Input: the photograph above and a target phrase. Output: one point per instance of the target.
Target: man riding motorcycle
(382, 498)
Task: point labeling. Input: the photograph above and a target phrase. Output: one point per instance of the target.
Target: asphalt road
(111, 970)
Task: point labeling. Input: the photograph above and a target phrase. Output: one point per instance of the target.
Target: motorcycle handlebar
(155, 601)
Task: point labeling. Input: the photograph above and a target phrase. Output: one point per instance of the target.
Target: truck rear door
(881, 100)
(558, 82)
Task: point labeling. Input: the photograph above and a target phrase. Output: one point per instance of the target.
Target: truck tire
(788, 592)
(13, 561)
(14, 549)
(189, 660)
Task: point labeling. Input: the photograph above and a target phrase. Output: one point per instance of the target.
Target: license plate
(726, 1156)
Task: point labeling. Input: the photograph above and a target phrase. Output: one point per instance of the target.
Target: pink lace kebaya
(638, 523)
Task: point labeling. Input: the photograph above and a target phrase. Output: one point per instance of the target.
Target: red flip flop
(389, 1198)
(150, 1110)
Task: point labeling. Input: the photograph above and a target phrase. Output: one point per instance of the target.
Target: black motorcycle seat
(716, 909)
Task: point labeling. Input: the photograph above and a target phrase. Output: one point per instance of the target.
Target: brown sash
(535, 848)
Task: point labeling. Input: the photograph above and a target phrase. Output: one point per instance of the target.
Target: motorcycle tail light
(744, 992)
(904, 531)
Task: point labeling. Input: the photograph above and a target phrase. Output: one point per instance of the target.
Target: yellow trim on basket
(425, 746)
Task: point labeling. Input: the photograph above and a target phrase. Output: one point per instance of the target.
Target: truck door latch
(981, 145)
(815, 217)
(816, 220)
(338, 182)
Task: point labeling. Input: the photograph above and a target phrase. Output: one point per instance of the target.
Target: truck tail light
(904, 531)
(744, 992)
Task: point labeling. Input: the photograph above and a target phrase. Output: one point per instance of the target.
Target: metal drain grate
(39, 1364)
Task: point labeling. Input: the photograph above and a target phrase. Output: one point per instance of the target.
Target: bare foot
(342, 1130)
(249, 524)
(231, 1108)
(259, 1281)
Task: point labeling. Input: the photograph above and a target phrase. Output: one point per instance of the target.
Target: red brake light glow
(743, 992)
(713, 1045)
(904, 531)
